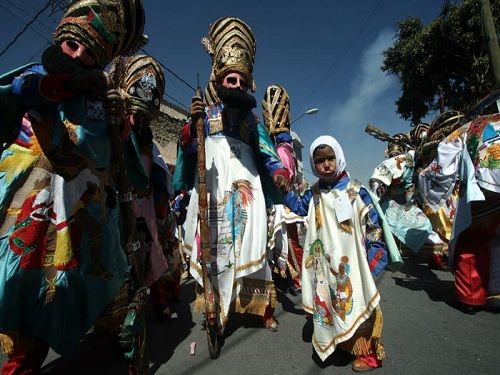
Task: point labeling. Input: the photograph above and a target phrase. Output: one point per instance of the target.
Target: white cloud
(367, 89)
(370, 100)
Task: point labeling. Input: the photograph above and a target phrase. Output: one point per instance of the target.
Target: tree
(451, 52)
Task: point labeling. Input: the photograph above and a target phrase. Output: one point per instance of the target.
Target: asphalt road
(424, 333)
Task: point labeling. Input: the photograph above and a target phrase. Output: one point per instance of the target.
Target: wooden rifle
(211, 315)
(378, 133)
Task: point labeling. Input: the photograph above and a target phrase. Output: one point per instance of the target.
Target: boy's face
(325, 162)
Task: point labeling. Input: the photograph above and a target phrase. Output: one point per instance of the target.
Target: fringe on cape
(367, 339)
(254, 297)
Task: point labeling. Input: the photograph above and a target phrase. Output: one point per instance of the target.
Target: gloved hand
(91, 81)
(197, 112)
(113, 103)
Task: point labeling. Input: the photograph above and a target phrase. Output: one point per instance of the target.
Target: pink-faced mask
(235, 80)
(78, 51)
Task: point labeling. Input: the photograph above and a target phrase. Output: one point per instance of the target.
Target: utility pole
(441, 99)
(491, 36)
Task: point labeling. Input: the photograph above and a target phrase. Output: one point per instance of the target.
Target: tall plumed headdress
(143, 83)
(276, 110)
(107, 28)
(232, 46)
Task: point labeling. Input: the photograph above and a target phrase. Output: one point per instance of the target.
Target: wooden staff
(212, 324)
(135, 320)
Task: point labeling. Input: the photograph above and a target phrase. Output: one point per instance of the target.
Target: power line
(171, 72)
(179, 86)
(345, 51)
(24, 12)
(175, 100)
(56, 7)
(25, 28)
(38, 33)
(59, 5)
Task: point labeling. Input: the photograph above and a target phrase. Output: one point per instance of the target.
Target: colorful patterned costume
(467, 166)
(406, 220)
(61, 259)
(239, 158)
(285, 250)
(142, 85)
(338, 288)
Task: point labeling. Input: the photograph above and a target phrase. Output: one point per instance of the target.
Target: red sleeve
(186, 138)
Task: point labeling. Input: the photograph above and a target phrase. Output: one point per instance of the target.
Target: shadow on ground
(101, 354)
(439, 285)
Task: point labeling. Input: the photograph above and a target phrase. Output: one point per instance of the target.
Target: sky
(326, 53)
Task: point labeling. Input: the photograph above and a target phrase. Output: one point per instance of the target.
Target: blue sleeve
(27, 87)
(298, 204)
(376, 251)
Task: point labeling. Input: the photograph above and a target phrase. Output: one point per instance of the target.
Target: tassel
(272, 290)
(254, 299)
(317, 217)
(309, 261)
(6, 344)
(199, 303)
(11, 342)
(346, 226)
(367, 339)
(50, 290)
(378, 324)
(293, 272)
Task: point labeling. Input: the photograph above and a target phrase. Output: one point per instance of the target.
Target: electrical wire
(171, 72)
(345, 51)
(37, 32)
(176, 101)
(6, 48)
(25, 13)
(179, 86)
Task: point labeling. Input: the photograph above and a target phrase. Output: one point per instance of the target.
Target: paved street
(424, 333)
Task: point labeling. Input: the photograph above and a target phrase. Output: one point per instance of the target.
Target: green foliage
(451, 52)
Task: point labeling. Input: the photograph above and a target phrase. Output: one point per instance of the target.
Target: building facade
(167, 128)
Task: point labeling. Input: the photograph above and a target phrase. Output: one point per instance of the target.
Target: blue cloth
(282, 137)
